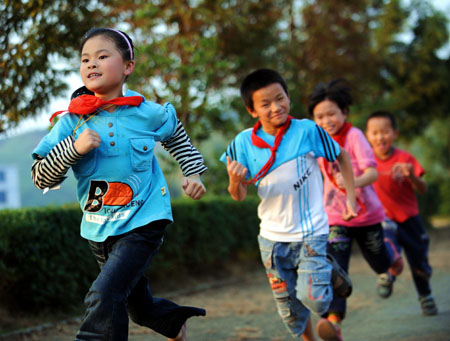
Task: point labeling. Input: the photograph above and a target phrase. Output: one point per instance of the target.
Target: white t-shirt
(291, 206)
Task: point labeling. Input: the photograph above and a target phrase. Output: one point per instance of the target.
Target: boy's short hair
(383, 114)
(337, 91)
(257, 80)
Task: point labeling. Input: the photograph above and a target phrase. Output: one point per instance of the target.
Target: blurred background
(194, 54)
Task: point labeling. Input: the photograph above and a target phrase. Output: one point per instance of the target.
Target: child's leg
(159, 314)
(123, 261)
(415, 241)
(390, 231)
(371, 242)
(280, 261)
(375, 251)
(181, 336)
(340, 246)
(314, 288)
(308, 334)
(413, 236)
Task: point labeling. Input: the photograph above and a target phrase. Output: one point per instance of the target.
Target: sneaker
(385, 284)
(342, 285)
(328, 330)
(428, 305)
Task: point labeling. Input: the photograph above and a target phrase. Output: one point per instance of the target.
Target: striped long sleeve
(180, 147)
(50, 171)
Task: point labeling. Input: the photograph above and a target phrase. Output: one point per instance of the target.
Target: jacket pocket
(142, 153)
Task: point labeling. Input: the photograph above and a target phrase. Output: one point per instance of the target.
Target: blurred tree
(386, 50)
(333, 41)
(36, 36)
(194, 54)
(432, 148)
(415, 82)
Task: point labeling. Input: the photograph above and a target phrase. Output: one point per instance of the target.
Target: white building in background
(9, 187)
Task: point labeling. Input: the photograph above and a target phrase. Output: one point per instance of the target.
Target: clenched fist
(89, 139)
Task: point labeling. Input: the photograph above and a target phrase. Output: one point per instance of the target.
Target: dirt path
(246, 311)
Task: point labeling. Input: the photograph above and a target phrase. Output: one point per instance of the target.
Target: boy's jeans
(300, 278)
(121, 288)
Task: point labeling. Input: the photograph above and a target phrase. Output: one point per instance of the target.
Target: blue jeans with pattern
(300, 279)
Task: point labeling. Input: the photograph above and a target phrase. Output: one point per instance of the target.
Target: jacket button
(112, 144)
(145, 148)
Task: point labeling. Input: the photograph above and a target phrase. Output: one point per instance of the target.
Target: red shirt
(398, 197)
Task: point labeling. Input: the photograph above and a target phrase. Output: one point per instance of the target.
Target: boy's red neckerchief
(87, 104)
(260, 143)
(340, 138)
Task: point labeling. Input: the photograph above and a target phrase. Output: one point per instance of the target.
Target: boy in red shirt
(399, 176)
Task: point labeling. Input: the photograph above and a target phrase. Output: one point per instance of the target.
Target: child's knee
(317, 292)
(338, 238)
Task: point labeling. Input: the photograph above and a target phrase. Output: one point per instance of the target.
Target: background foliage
(46, 265)
(194, 53)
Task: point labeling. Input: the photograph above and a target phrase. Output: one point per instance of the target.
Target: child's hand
(350, 211)
(193, 186)
(89, 139)
(339, 180)
(236, 171)
(402, 171)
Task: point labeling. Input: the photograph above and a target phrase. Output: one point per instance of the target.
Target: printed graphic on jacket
(109, 199)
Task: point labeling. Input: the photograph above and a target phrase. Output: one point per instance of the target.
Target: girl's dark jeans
(371, 242)
(121, 289)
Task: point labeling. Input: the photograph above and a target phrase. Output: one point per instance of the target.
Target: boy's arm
(236, 175)
(406, 170)
(190, 161)
(349, 185)
(418, 183)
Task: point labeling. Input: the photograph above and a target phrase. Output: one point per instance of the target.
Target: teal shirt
(120, 184)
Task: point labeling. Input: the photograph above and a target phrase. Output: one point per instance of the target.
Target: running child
(279, 154)
(329, 105)
(399, 177)
(108, 138)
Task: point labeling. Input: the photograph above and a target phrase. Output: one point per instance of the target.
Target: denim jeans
(300, 279)
(371, 242)
(122, 290)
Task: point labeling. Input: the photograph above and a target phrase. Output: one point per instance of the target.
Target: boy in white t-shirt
(279, 154)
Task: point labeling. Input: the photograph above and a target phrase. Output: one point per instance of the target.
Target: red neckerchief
(342, 134)
(87, 104)
(340, 138)
(260, 143)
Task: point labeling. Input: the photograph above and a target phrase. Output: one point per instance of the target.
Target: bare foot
(182, 336)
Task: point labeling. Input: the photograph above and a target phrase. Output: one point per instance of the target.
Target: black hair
(337, 91)
(383, 114)
(115, 36)
(257, 80)
(81, 91)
